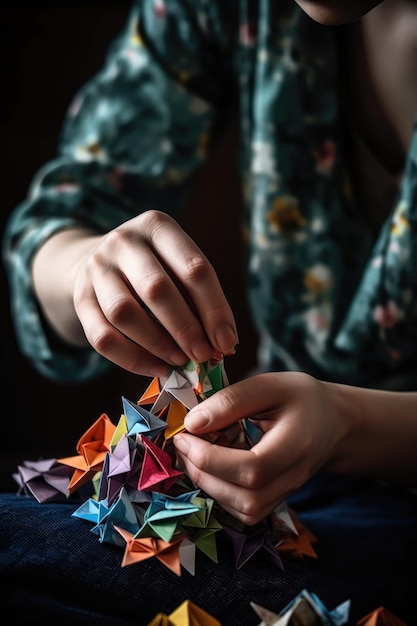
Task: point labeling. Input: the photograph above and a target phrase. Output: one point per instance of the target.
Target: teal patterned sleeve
(133, 139)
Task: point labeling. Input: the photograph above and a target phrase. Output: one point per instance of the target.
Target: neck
(381, 80)
(379, 100)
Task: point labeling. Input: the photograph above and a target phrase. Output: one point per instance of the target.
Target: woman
(326, 95)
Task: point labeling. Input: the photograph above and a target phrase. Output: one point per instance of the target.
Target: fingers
(278, 450)
(208, 321)
(155, 288)
(116, 347)
(240, 494)
(120, 313)
(251, 483)
(253, 397)
(160, 296)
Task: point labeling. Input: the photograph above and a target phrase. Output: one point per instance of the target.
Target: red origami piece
(157, 473)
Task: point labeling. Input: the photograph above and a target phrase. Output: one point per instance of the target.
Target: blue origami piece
(141, 421)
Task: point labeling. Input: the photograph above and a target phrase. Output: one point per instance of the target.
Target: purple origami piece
(248, 542)
(121, 469)
(45, 480)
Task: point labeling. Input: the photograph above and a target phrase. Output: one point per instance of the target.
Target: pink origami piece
(157, 473)
(92, 449)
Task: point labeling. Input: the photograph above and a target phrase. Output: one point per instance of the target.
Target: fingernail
(181, 444)
(201, 351)
(226, 338)
(178, 357)
(159, 370)
(198, 421)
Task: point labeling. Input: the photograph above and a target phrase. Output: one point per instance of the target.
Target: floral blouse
(327, 296)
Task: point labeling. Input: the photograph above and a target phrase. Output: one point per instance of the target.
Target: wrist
(54, 270)
(346, 416)
(379, 433)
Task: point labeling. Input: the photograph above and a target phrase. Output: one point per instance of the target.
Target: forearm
(54, 269)
(381, 439)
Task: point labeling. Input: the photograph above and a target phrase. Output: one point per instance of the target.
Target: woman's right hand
(146, 296)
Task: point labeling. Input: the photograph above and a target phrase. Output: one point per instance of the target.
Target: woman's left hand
(301, 432)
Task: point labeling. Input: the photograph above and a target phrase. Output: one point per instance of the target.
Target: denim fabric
(53, 567)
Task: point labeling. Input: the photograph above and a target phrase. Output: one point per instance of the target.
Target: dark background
(47, 53)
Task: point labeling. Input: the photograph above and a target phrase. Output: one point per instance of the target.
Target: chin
(337, 12)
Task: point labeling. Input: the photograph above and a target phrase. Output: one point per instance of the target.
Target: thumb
(224, 408)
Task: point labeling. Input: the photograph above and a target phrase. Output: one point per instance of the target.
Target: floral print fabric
(328, 297)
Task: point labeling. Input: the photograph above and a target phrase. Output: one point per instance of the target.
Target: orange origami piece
(300, 545)
(140, 549)
(151, 393)
(381, 617)
(92, 449)
(173, 412)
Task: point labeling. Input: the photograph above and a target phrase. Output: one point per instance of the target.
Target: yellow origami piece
(186, 614)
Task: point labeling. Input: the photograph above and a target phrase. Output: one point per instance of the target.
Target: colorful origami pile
(140, 502)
